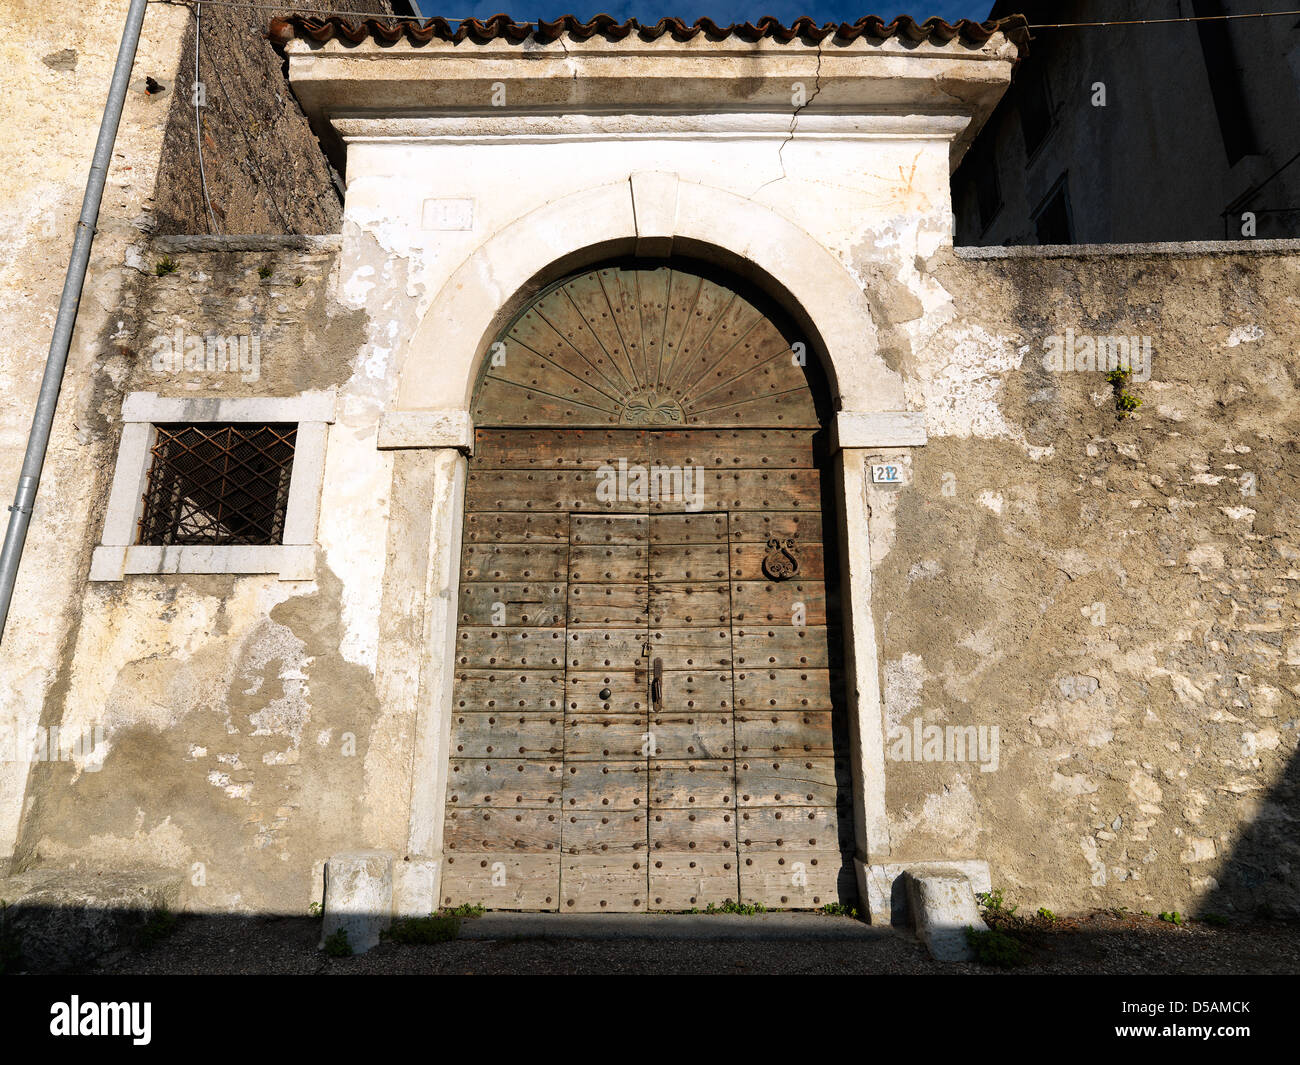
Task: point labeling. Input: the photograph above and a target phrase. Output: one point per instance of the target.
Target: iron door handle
(657, 684)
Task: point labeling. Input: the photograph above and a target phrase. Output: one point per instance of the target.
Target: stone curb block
(942, 904)
(358, 897)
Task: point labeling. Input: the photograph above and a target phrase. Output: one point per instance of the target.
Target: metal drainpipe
(38, 439)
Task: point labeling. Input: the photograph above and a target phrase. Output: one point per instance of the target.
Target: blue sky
(721, 11)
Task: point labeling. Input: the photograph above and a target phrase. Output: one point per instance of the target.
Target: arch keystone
(654, 210)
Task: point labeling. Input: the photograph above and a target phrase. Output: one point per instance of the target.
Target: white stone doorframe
(433, 413)
(866, 707)
(416, 880)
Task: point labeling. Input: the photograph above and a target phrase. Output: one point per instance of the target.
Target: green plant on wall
(1125, 401)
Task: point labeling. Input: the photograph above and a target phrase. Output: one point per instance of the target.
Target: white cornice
(638, 89)
(532, 127)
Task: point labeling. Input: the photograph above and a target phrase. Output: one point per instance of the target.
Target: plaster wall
(1146, 749)
(55, 67)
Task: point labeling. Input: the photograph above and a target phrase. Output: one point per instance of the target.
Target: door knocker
(781, 561)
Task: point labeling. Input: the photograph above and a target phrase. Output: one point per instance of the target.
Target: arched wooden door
(647, 711)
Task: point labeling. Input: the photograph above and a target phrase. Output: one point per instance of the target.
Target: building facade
(640, 503)
(1140, 131)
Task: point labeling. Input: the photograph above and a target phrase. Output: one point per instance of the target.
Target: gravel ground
(1096, 944)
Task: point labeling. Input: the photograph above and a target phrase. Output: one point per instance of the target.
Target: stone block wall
(1104, 607)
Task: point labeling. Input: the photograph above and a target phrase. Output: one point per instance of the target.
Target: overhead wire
(197, 93)
(1159, 21)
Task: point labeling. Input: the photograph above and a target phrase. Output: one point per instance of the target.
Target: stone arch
(652, 214)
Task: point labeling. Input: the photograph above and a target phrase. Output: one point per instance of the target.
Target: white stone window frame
(293, 559)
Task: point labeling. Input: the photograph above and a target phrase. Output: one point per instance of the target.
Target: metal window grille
(218, 484)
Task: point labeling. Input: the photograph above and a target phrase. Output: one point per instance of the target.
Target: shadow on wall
(79, 922)
(1261, 875)
(262, 168)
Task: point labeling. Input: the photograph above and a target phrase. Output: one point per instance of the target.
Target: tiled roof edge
(502, 27)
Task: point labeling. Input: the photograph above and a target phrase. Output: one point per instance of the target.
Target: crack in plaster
(794, 122)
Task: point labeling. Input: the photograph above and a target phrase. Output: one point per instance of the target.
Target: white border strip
(305, 407)
(889, 428)
(426, 428)
(294, 559)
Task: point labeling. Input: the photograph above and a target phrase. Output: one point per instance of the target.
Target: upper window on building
(218, 484)
(1036, 114)
(1226, 86)
(988, 191)
(1052, 219)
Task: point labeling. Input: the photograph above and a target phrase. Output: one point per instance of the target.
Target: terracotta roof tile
(872, 27)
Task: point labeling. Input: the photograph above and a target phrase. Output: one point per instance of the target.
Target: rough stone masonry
(1113, 598)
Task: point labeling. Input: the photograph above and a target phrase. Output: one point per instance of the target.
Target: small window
(1226, 84)
(1052, 221)
(1035, 106)
(218, 484)
(983, 166)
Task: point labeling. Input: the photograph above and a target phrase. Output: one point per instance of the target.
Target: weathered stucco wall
(1108, 594)
(243, 736)
(1117, 597)
(55, 70)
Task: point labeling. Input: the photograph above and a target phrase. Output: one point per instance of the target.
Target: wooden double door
(648, 709)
